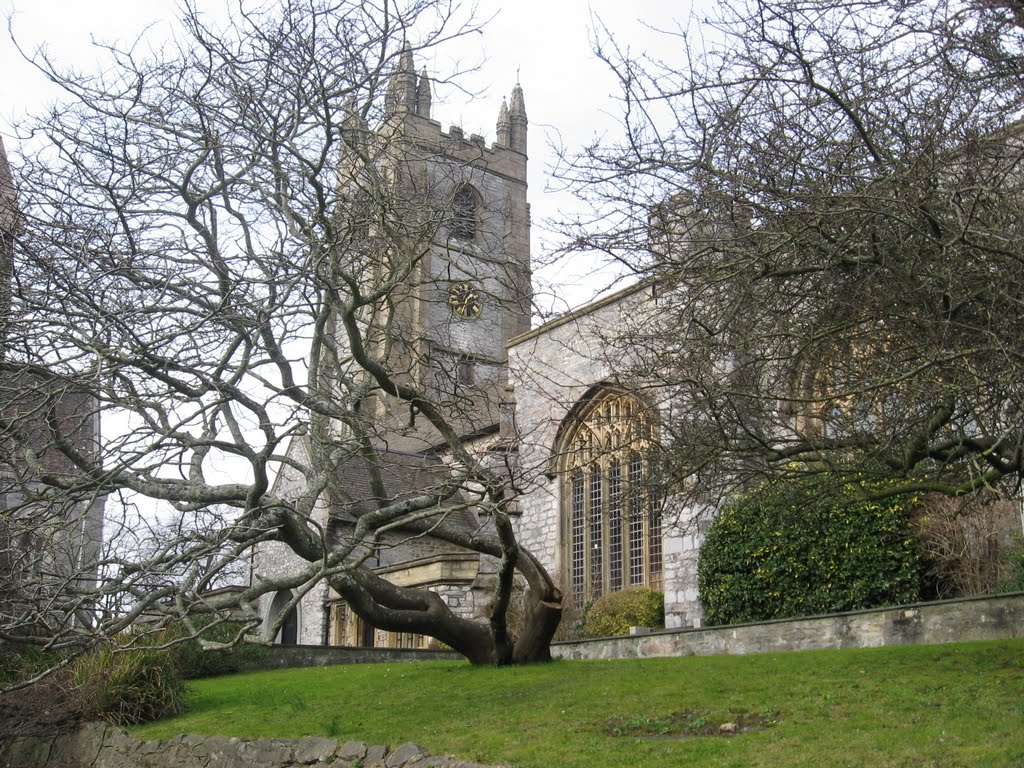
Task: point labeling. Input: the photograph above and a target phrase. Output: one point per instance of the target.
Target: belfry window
(611, 510)
(464, 213)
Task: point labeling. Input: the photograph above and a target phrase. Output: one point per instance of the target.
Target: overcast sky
(545, 43)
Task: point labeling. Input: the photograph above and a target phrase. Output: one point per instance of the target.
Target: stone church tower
(8, 229)
(469, 292)
(459, 208)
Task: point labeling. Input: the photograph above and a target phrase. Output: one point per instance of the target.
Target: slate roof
(405, 476)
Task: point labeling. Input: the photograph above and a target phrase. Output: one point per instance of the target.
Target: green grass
(926, 706)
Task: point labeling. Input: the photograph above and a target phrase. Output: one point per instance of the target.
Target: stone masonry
(493, 259)
(551, 369)
(102, 746)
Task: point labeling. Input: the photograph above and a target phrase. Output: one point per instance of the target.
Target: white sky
(569, 93)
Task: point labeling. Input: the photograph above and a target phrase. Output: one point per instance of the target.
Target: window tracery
(611, 510)
(464, 213)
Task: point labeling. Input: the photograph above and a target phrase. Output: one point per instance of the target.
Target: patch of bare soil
(689, 723)
(50, 706)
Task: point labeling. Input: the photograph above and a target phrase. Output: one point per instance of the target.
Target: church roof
(646, 284)
(405, 476)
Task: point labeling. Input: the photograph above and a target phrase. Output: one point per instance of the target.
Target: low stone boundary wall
(946, 621)
(282, 656)
(102, 746)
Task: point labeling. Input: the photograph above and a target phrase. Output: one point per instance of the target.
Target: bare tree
(828, 195)
(219, 248)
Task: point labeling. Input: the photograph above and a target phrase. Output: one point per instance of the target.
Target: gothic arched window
(464, 213)
(611, 511)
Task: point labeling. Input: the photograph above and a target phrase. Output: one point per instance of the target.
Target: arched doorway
(289, 633)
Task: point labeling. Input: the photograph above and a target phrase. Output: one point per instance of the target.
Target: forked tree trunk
(402, 609)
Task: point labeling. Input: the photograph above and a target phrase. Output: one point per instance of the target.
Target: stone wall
(947, 621)
(274, 561)
(284, 656)
(550, 369)
(102, 746)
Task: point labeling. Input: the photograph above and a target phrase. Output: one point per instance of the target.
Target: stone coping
(990, 617)
(96, 745)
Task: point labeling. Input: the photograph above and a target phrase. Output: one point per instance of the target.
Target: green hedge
(614, 613)
(801, 548)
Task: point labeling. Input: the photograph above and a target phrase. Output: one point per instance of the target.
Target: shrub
(614, 613)
(133, 685)
(968, 543)
(194, 662)
(20, 661)
(1015, 560)
(806, 547)
(49, 705)
(124, 686)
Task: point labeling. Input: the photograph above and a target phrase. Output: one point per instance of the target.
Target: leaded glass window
(612, 516)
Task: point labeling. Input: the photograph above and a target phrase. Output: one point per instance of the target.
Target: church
(585, 505)
(44, 546)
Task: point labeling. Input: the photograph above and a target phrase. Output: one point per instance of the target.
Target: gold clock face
(465, 300)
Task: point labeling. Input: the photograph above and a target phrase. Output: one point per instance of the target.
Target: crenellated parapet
(408, 106)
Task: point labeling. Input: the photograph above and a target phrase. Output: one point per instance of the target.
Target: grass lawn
(942, 706)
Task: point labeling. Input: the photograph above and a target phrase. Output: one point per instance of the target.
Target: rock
(405, 754)
(352, 750)
(727, 729)
(315, 750)
(438, 761)
(272, 751)
(223, 752)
